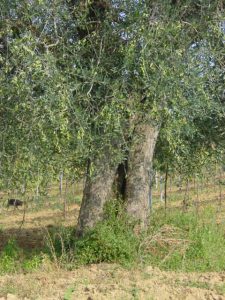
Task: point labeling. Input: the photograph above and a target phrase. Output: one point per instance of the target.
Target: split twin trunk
(133, 185)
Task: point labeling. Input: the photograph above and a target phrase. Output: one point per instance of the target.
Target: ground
(106, 281)
(102, 281)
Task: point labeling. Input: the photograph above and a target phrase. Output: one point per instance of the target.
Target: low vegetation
(176, 240)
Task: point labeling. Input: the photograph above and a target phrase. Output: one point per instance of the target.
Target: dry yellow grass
(108, 282)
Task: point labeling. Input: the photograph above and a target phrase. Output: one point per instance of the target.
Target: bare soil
(106, 281)
(29, 231)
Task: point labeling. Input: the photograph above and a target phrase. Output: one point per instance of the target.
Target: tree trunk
(97, 190)
(130, 180)
(138, 173)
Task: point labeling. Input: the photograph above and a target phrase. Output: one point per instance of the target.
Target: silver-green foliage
(71, 86)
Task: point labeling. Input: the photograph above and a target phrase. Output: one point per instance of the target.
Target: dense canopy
(81, 80)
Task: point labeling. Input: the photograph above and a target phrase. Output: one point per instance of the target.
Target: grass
(68, 293)
(135, 292)
(112, 240)
(189, 242)
(196, 284)
(8, 289)
(13, 259)
(177, 241)
(53, 202)
(219, 288)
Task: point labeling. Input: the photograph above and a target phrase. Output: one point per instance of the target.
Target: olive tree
(88, 85)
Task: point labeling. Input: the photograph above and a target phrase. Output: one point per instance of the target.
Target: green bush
(107, 243)
(112, 240)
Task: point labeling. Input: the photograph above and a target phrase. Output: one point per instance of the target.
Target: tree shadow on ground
(29, 239)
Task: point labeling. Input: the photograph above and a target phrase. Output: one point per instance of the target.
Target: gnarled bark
(97, 190)
(138, 173)
(130, 180)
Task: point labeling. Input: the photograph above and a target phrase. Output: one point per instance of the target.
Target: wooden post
(165, 186)
(61, 184)
(65, 200)
(161, 188)
(186, 196)
(220, 187)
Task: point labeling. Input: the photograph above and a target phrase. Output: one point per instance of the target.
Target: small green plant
(9, 257)
(135, 292)
(220, 288)
(32, 263)
(59, 246)
(78, 199)
(11, 249)
(7, 264)
(13, 259)
(68, 293)
(8, 288)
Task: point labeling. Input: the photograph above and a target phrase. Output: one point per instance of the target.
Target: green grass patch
(186, 241)
(13, 259)
(175, 241)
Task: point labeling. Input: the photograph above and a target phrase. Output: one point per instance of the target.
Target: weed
(9, 257)
(220, 288)
(32, 263)
(201, 285)
(68, 293)
(59, 246)
(135, 292)
(13, 259)
(7, 264)
(8, 289)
